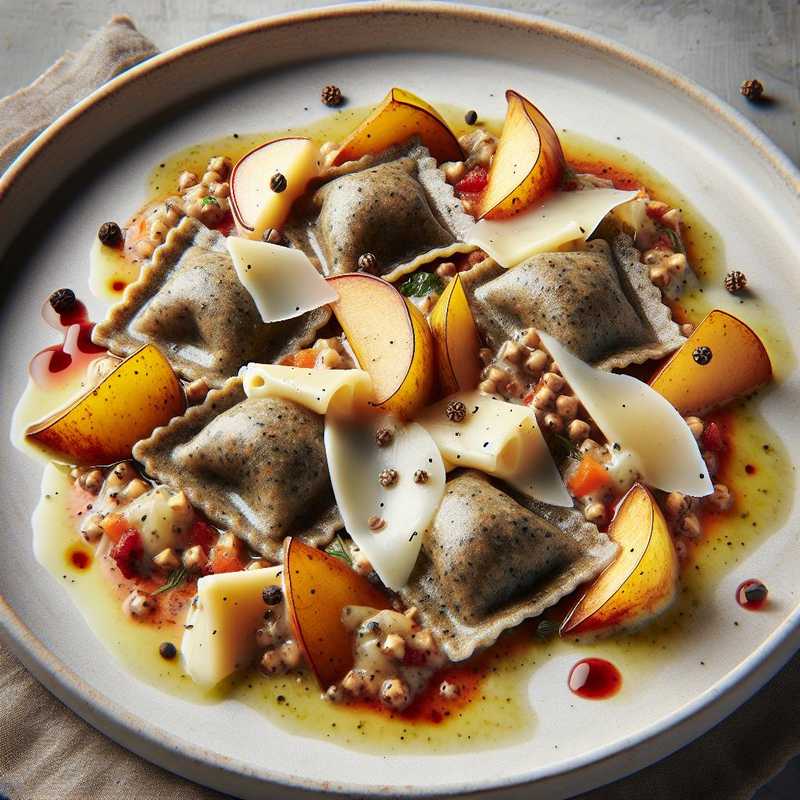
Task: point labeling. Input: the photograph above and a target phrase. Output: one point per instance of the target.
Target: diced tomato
(203, 534)
(588, 477)
(656, 212)
(528, 398)
(306, 359)
(114, 526)
(712, 438)
(474, 181)
(224, 560)
(128, 552)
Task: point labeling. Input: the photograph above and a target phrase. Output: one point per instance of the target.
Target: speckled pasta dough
(190, 303)
(599, 302)
(254, 466)
(489, 561)
(397, 206)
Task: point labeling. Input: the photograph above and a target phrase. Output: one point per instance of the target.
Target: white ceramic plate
(89, 166)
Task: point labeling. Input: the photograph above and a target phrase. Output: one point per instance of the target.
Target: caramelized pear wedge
(643, 579)
(317, 587)
(457, 342)
(528, 164)
(102, 426)
(390, 339)
(738, 365)
(398, 117)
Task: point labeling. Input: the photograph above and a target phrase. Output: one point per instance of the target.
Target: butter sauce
(494, 707)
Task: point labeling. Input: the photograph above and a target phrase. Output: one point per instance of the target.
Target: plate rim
(178, 754)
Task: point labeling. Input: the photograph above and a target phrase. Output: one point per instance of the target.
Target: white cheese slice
(501, 439)
(638, 419)
(220, 631)
(406, 508)
(341, 392)
(561, 218)
(282, 281)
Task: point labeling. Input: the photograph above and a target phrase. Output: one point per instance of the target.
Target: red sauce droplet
(54, 364)
(750, 469)
(752, 595)
(79, 559)
(118, 286)
(594, 679)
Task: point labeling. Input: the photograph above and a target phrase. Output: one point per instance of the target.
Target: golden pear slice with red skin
(317, 587)
(255, 205)
(390, 339)
(641, 582)
(457, 341)
(739, 365)
(398, 117)
(101, 427)
(527, 165)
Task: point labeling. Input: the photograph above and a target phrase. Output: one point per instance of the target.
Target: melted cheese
(160, 523)
(563, 217)
(341, 392)
(282, 281)
(220, 631)
(355, 461)
(501, 439)
(639, 419)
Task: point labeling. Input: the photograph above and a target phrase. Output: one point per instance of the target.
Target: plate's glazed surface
(744, 191)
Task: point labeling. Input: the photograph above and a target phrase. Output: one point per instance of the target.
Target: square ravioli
(397, 206)
(189, 301)
(599, 302)
(490, 560)
(253, 466)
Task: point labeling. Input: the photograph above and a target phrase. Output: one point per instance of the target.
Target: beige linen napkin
(48, 753)
(24, 114)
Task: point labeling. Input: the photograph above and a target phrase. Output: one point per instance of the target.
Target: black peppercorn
(471, 117)
(456, 411)
(755, 592)
(702, 355)
(167, 650)
(735, 281)
(383, 437)
(62, 300)
(753, 89)
(332, 95)
(272, 595)
(110, 234)
(368, 262)
(278, 182)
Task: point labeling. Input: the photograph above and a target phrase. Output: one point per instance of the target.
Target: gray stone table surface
(718, 43)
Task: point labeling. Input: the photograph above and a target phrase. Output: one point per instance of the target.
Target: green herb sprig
(421, 283)
(338, 549)
(174, 580)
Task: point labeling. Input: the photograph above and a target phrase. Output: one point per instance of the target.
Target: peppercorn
(456, 411)
(735, 281)
(272, 595)
(388, 477)
(278, 182)
(110, 234)
(702, 355)
(167, 650)
(755, 592)
(368, 262)
(471, 117)
(383, 437)
(273, 236)
(62, 301)
(375, 523)
(752, 89)
(332, 95)
(420, 476)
